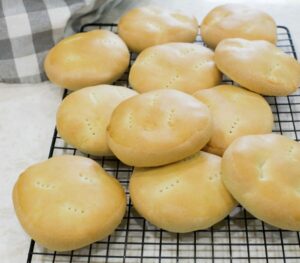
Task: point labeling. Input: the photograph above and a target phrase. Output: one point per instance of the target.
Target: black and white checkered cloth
(29, 28)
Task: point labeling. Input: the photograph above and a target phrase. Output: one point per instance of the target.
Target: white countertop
(27, 115)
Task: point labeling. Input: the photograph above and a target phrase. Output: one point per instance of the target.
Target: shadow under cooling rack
(238, 238)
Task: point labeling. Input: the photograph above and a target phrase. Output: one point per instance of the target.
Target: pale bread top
(68, 202)
(236, 20)
(258, 66)
(263, 174)
(148, 26)
(87, 59)
(158, 127)
(182, 66)
(184, 196)
(83, 116)
(235, 112)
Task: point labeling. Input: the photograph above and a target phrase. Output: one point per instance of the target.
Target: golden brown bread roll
(263, 174)
(68, 202)
(182, 197)
(235, 112)
(258, 66)
(83, 116)
(158, 127)
(237, 21)
(182, 66)
(148, 26)
(87, 59)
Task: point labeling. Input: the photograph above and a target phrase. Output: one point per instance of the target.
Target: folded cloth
(29, 28)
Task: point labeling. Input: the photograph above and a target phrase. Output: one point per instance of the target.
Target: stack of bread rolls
(198, 147)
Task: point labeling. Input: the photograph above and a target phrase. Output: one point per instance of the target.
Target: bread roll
(148, 26)
(258, 66)
(87, 59)
(184, 196)
(236, 20)
(68, 202)
(263, 174)
(182, 66)
(235, 112)
(83, 116)
(158, 127)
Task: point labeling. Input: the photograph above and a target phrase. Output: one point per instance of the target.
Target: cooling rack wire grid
(239, 238)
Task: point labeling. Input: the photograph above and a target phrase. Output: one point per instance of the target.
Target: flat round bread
(158, 127)
(182, 66)
(258, 66)
(87, 59)
(83, 116)
(68, 202)
(235, 112)
(235, 20)
(148, 26)
(263, 174)
(184, 196)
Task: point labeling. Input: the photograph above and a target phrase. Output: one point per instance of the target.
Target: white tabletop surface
(27, 115)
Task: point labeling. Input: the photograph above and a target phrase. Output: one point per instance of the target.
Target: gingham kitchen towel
(29, 28)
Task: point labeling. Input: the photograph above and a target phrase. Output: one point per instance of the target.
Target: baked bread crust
(148, 26)
(158, 127)
(68, 202)
(237, 21)
(184, 196)
(83, 116)
(262, 172)
(87, 59)
(182, 66)
(258, 66)
(235, 112)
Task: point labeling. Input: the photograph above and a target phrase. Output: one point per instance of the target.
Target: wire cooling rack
(239, 238)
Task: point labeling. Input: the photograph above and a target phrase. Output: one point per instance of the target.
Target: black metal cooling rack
(239, 238)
